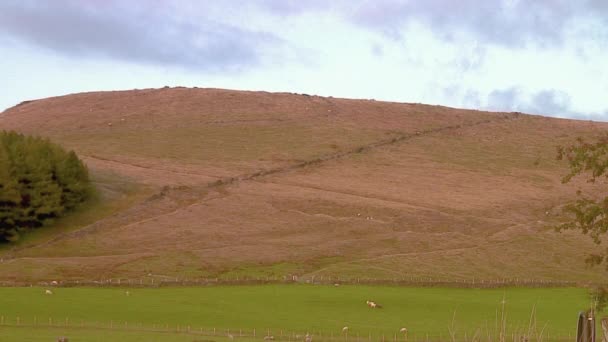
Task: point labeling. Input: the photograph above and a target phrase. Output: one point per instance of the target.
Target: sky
(546, 57)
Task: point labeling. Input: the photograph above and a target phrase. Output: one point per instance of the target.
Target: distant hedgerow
(39, 181)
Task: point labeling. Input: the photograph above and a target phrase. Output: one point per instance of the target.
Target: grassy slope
(472, 201)
(324, 309)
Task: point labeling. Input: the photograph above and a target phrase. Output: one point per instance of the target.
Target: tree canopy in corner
(39, 181)
(589, 215)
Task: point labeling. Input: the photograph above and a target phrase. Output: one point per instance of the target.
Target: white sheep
(373, 304)
(48, 292)
(345, 329)
(54, 282)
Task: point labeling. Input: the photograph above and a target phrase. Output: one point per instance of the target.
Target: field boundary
(275, 334)
(155, 281)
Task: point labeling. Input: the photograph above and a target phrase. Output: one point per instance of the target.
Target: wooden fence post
(605, 329)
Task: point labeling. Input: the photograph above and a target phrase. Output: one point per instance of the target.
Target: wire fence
(165, 281)
(66, 324)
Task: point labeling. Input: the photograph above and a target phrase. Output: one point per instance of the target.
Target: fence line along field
(289, 311)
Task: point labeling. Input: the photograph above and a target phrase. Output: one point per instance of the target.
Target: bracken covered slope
(210, 182)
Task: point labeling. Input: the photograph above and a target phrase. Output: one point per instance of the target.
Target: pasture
(179, 314)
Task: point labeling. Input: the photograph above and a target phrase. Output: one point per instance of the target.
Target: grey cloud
(128, 31)
(377, 50)
(548, 102)
(291, 7)
(551, 101)
(508, 23)
(504, 99)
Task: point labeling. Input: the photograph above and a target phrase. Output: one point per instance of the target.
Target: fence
(262, 334)
(160, 281)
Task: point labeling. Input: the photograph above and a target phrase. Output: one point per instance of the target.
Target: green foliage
(588, 215)
(39, 181)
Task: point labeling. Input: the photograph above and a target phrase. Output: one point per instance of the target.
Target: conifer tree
(9, 198)
(39, 182)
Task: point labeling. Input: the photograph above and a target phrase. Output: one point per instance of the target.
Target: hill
(211, 182)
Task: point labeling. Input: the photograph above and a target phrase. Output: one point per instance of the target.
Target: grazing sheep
(373, 304)
(345, 329)
(48, 292)
(336, 284)
(54, 282)
(269, 338)
(109, 124)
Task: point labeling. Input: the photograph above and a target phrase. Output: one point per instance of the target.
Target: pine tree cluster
(39, 181)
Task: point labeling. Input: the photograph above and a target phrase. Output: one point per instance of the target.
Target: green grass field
(287, 308)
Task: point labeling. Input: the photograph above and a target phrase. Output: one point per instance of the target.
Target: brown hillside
(209, 182)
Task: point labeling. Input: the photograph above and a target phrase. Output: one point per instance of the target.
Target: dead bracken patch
(298, 185)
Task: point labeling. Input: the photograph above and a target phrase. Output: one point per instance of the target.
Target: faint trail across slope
(144, 167)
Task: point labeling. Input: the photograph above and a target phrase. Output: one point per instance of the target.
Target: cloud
(550, 102)
(511, 23)
(377, 50)
(504, 99)
(290, 7)
(151, 33)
